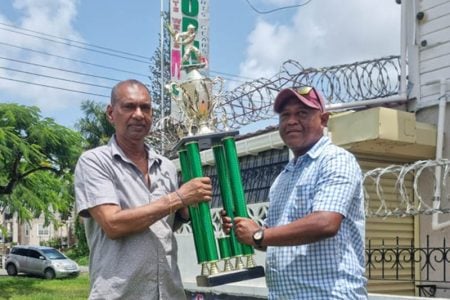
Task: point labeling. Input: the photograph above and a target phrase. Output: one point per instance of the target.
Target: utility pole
(162, 76)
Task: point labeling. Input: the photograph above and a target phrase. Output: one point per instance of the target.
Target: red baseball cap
(306, 94)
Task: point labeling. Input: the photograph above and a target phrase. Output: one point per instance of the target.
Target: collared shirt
(326, 178)
(141, 265)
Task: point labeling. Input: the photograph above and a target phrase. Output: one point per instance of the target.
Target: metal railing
(425, 266)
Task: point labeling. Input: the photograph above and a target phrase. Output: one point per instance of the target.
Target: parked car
(42, 261)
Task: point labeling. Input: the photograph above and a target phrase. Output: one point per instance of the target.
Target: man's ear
(324, 118)
(109, 115)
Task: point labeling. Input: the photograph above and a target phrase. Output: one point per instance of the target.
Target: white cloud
(53, 18)
(324, 33)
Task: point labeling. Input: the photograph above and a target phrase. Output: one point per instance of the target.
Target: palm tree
(94, 126)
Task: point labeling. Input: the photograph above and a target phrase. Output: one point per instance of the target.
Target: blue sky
(243, 43)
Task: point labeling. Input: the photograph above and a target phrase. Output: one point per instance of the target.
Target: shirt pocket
(279, 259)
(302, 203)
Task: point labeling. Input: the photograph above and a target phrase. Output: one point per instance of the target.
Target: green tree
(94, 126)
(155, 69)
(96, 130)
(37, 157)
(82, 248)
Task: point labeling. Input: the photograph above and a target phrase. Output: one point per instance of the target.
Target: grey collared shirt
(141, 265)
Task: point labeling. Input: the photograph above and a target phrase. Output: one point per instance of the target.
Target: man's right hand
(227, 224)
(196, 190)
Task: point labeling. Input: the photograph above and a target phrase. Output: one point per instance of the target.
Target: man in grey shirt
(129, 199)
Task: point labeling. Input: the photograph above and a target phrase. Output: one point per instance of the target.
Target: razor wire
(253, 100)
(359, 81)
(420, 198)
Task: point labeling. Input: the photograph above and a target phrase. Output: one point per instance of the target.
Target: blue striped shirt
(326, 178)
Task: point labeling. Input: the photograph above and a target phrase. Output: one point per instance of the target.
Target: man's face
(300, 126)
(131, 114)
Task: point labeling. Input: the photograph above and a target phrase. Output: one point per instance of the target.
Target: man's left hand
(244, 229)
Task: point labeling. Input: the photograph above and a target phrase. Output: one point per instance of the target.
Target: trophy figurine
(197, 106)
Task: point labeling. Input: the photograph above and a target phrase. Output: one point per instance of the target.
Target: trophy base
(231, 276)
(205, 141)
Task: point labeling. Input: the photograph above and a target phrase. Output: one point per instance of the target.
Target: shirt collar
(318, 147)
(116, 151)
(312, 153)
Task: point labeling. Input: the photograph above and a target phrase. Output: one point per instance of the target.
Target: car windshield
(53, 254)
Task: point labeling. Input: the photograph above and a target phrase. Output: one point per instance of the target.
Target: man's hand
(196, 190)
(226, 222)
(244, 228)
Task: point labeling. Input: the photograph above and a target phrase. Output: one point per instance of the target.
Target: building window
(27, 230)
(43, 230)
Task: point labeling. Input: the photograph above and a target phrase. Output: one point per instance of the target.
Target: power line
(91, 45)
(75, 41)
(231, 79)
(82, 61)
(57, 78)
(58, 69)
(53, 87)
(112, 68)
(276, 9)
(232, 75)
(72, 59)
(80, 47)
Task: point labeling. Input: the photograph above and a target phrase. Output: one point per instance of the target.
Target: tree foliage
(82, 248)
(96, 130)
(94, 126)
(155, 69)
(37, 157)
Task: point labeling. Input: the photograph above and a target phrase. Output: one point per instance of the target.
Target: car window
(19, 251)
(53, 254)
(34, 254)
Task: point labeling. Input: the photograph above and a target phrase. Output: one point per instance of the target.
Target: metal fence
(426, 267)
(390, 262)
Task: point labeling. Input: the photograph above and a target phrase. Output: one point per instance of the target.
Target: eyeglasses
(305, 90)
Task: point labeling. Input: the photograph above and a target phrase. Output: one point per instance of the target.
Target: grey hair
(115, 89)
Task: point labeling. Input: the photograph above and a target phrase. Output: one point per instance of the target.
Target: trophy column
(238, 191)
(205, 230)
(236, 259)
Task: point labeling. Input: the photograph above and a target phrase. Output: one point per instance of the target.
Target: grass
(23, 287)
(82, 260)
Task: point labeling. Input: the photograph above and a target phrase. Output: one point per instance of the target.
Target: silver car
(42, 261)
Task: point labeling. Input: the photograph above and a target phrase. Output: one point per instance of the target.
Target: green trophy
(234, 261)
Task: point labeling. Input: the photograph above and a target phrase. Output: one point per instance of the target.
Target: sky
(100, 42)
